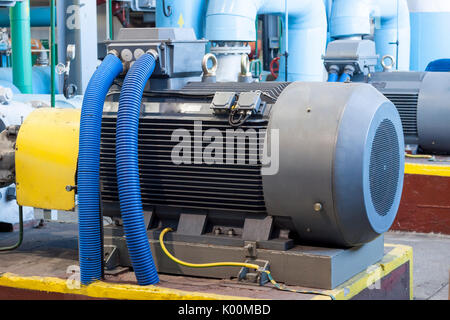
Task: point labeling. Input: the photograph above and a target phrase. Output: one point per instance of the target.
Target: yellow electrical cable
(202, 265)
(232, 264)
(423, 156)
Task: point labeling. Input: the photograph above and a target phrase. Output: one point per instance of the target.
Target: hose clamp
(114, 52)
(334, 69)
(349, 69)
(153, 53)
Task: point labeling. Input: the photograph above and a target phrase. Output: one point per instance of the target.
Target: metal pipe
(109, 20)
(234, 21)
(192, 13)
(21, 46)
(39, 17)
(392, 35)
(19, 242)
(53, 53)
(286, 39)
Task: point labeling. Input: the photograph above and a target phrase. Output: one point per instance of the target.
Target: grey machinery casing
(340, 147)
(423, 100)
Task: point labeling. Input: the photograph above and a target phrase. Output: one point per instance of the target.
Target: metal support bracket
(111, 257)
(255, 276)
(250, 247)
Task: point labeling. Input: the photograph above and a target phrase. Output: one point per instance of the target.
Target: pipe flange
(209, 71)
(230, 49)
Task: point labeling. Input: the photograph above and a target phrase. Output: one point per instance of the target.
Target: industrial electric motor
(423, 101)
(318, 163)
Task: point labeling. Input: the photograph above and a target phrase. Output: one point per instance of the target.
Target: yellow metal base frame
(428, 169)
(398, 256)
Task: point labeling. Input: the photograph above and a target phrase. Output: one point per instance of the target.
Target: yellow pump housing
(46, 158)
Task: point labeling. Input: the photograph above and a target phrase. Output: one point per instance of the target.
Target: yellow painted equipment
(46, 158)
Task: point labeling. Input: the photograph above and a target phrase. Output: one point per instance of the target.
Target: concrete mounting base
(316, 267)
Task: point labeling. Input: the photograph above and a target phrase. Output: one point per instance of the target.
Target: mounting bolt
(217, 231)
(230, 232)
(250, 246)
(317, 207)
(70, 188)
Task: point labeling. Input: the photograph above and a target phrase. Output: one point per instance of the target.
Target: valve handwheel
(274, 70)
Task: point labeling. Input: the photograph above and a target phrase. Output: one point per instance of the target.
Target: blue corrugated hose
(333, 77)
(88, 183)
(344, 77)
(128, 170)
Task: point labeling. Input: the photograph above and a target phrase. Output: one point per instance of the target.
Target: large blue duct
(88, 179)
(128, 169)
(351, 19)
(234, 20)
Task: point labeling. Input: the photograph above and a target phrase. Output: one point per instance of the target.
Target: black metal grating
(234, 187)
(406, 105)
(384, 167)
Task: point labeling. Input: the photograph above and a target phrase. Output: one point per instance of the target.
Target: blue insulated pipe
(88, 180)
(128, 169)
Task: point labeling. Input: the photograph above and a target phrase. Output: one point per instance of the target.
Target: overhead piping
(286, 39)
(21, 48)
(53, 53)
(350, 19)
(39, 17)
(234, 20)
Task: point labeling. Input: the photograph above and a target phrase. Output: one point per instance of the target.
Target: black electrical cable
(240, 121)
